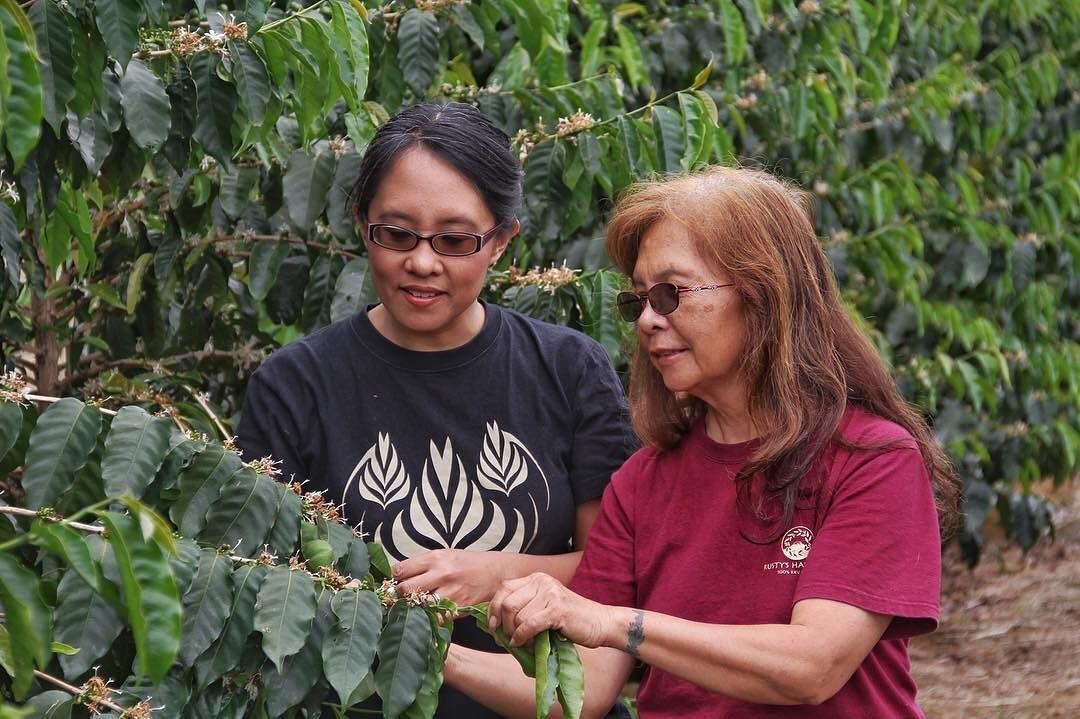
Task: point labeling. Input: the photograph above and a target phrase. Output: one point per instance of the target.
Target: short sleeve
(606, 572)
(602, 438)
(878, 546)
(268, 427)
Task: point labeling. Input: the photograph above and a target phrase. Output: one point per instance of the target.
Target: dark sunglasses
(663, 297)
(450, 244)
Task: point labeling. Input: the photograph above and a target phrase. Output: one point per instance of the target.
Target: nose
(422, 260)
(650, 320)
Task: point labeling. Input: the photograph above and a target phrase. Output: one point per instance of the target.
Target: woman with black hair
(472, 442)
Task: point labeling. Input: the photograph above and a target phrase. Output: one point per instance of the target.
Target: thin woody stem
(22, 512)
(78, 692)
(210, 411)
(54, 400)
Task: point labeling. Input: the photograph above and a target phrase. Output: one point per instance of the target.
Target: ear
(503, 239)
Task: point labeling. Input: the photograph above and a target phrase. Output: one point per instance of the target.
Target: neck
(727, 428)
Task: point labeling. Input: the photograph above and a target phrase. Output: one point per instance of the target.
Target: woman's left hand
(462, 576)
(524, 607)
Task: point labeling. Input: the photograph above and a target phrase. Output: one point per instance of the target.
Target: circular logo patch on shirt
(796, 543)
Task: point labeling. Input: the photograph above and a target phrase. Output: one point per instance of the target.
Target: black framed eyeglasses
(663, 297)
(450, 244)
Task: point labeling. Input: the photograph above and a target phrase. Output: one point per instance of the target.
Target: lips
(421, 296)
(665, 354)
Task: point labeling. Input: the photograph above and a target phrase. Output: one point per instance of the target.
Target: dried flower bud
(578, 122)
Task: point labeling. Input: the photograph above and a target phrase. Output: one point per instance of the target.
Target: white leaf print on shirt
(502, 467)
(382, 476)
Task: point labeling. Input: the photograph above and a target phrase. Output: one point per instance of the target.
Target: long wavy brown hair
(805, 361)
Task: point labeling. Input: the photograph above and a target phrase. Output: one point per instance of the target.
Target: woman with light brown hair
(777, 542)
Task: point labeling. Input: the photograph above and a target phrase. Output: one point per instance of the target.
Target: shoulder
(565, 347)
(861, 428)
(302, 356)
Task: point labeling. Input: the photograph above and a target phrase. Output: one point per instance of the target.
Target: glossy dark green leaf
(69, 545)
(118, 22)
(263, 265)
(236, 187)
(301, 672)
(353, 289)
(85, 620)
(147, 112)
(380, 563)
(351, 33)
(403, 652)
(206, 605)
(200, 485)
(215, 104)
(632, 59)
(224, 654)
(28, 621)
(62, 439)
(319, 293)
(21, 107)
(284, 612)
(547, 673)
(670, 138)
(285, 523)
(11, 421)
(348, 649)
(418, 49)
(53, 704)
(57, 63)
(252, 81)
(307, 182)
(150, 595)
(10, 245)
(357, 562)
(134, 451)
(698, 133)
(240, 517)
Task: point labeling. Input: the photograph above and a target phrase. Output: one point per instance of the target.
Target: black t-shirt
(488, 446)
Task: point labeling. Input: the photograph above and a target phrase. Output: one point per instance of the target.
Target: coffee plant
(206, 587)
(174, 180)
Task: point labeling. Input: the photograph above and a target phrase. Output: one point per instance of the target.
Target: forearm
(761, 663)
(560, 566)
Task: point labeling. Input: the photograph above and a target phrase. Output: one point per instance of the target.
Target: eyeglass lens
(454, 244)
(663, 297)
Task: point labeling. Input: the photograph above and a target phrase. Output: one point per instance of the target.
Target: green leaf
(319, 293)
(317, 552)
(284, 612)
(20, 93)
(403, 657)
(589, 61)
(734, 33)
(134, 451)
(150, 595)
(523, 655)
(860, 25)
(28, 621)
(670, 138)
(206, 605)
(547, 673)
(118, 22)
(11, 421)
(252, 81)
(225, 653)
(353, 289)
(632, 58)
(380, 563)
(263, 265)
(10, 246)
(356, 562)
(571, 687)
(53, 704)
(200, 485)
(60, 444)
(240, 516)
(697, 136)
(287, 687)
(236, 186)
(84, 619)
(69, 545)
(135, 280)
(307, 183)
(351, 33)
(57, 63)
(418, 49)
(147, 112)
(349, 647)
(286, 522)
(215, 103)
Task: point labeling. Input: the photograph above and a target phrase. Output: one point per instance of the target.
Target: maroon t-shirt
(668, 540)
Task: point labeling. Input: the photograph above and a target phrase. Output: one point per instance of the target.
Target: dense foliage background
(175, 177)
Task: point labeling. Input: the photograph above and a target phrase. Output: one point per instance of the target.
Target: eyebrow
(458, 221)
(669, 274)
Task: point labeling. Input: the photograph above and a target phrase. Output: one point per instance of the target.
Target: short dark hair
(456, 133)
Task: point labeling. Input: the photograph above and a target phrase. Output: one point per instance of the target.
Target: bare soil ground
(1009, 643)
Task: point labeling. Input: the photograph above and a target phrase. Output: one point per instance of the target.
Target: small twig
(150, 54)
(287, 18)
(78, 692)
(252, 237)
(53, 400)
(210, 411)
(22, 512)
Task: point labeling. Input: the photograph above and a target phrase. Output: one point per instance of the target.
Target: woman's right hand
(524, 607)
